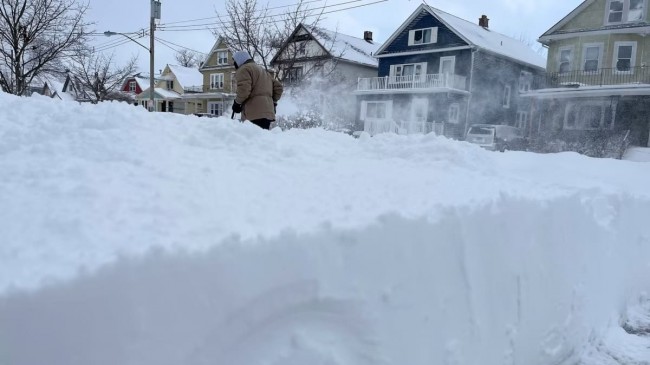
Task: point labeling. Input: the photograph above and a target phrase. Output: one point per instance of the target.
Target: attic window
(619, 11)
(222, 58)
(132, 86)
(423, 36)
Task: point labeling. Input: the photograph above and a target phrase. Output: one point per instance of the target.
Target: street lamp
(108, 33)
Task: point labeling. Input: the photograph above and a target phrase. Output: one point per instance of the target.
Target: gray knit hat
(241, 57)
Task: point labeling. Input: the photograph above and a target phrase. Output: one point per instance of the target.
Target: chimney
(367, 36)
(484, 21)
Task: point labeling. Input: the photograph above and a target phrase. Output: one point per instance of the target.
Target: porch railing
(599, 77)
(430, 81)
(193, 89)
(374, 127)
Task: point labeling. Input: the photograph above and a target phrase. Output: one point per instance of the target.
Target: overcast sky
(517, 18)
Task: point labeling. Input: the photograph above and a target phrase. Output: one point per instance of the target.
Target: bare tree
(98, 74)
(35, 36)
(250, 27)
(247, 28)
(187, 58)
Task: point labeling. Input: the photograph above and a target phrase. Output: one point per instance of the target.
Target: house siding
(488, 87)
(592, 17)
(446, 38)
(463, 62)
(608, 41)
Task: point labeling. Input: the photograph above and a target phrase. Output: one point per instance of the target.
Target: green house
(595, 96)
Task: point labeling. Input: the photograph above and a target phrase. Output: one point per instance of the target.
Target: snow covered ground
(136, 238)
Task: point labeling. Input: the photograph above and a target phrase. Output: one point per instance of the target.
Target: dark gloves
(237, 108)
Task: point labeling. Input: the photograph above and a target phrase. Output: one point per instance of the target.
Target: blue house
(439, 73)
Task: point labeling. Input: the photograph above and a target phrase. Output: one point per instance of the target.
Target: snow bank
(139, 238)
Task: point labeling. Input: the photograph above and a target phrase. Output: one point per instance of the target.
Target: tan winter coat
(257, 91)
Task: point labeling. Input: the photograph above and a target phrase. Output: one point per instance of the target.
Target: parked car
(497, 137)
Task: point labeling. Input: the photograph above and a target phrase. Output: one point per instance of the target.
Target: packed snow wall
(514, 282)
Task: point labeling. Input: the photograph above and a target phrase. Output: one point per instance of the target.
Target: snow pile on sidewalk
(138, 238)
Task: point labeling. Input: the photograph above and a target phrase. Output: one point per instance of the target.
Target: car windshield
(481, 130)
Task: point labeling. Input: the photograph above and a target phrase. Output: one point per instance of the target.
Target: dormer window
(222, 58)
(423, 36)
(620, 11)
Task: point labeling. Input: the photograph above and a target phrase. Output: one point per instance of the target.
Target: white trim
(410, 19)
(219, 59)
(507, 95)
(608, 12)
(219, 107)
(215, 82)
(388, 110)
(559, 57)
(641, 30)
(579, 124)
(525, 83)
(433, 36)
(453, 64)
(600, 47)
(632, 60)
(625, 12)
(522, 119)
(423, 52)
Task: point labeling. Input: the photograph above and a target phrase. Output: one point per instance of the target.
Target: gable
(446, 38)
(212, 59)
(301, 39)
(590, 16)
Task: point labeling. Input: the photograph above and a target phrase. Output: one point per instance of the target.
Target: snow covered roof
(187, 76)
(490, 40)
(346, 47)
(159, 92)
(478, 36)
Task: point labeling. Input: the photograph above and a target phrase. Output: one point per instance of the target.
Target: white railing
(193, 89)
(430, 81)
(374, 127)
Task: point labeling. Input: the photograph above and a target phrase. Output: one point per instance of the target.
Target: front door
(163, 106)
(447, 68)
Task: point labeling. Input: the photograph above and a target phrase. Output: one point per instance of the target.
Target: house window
(294, 75)
(215, 109)
(132, 86)
(454, 112)
(624, 56)
(375, 110)
(423, 36)
(584, 116)
(216, 81)
(170, 84)
(591, 57)
(565, 59)
(525, 81)
(408, 70)
(522, 119)
(506, 97)
(619, 11)
(222, 57)
(171, 106)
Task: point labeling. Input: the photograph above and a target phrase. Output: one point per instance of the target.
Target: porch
(602, 77)
(412, 83)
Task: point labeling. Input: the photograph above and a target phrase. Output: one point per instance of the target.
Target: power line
(178, 45)
(271, 18)
(212, 17)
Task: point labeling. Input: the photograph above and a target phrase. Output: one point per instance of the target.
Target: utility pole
(155, 14)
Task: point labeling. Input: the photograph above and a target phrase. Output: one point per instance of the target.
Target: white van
(496, 137)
